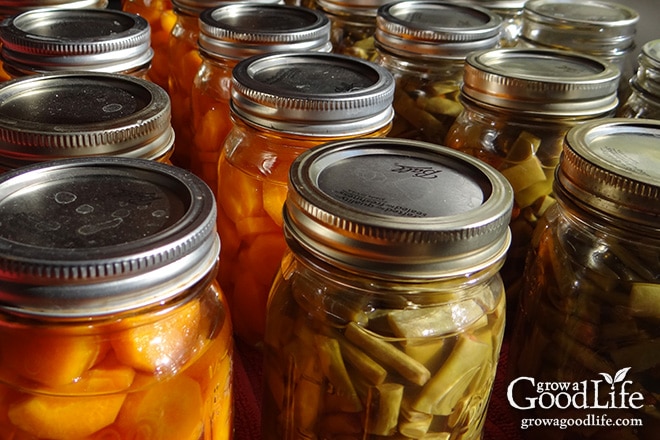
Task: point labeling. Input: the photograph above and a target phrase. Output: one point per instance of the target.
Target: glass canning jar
(231, 33)
(589, 311)
(387, 316)
(282, 104)
(95, 40)
(75, 114)
(112, 325)
(511, 13)
(160, 16)
(602, 29)
(518, 105)
(644, 99)
(184, 63)
(424, 44)
(353, 25)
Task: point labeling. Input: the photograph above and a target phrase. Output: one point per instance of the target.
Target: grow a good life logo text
(611, 392)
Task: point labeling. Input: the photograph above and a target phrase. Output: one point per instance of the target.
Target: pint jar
(74, 114)
(228, 34)
(387, 315)
(112, 325)
(603, 29)
(518, 105)
(590, 310)
(160, 16)
(644, 99)
(353, 26)
(184, 63)
(96, 40)
(424, 45)
(511, 13)
(282, 104)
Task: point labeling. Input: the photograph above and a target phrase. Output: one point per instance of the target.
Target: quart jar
(160, 16)
(510, 11)
(95, 40)
(599, 28)
(74, 114)
(353, 26)
(184, 63)
(112, 325)
(424, 45)
(518, 105)
(228, 34)
(283, 104)
(644, 99)
(386, 318)
(590, 310)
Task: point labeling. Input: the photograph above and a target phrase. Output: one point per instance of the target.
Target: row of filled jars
(512, 112)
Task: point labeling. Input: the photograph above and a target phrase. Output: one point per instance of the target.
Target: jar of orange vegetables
(228, 34)
(111, 322)
(74, 114)
(283, 104)
(161, 19)
(96, 40)
(184, 63)
(387, 316)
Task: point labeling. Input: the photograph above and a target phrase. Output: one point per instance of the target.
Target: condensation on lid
(398, 207)
(92, 236)
(82, 113)
(103, 40)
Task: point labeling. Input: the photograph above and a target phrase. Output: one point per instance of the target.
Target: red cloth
(500, 420)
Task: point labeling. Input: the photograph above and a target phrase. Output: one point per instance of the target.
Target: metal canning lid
(436, 29)
(59, 115)
(647, 77)
(546, 82)
(612, 166)
(590, 26)
(96, 236)
(398, 208)
(498, 4)
(240, 30)
(13, 7)
(312, 93)
(196, 7)
(361, 9)
(100, 40)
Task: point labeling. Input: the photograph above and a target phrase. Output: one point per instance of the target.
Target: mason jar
(112, 325)
(510, 11)
(387, 315)
(594, 27)
(424, 43)
(184, 63)
(95, 40)
(74, 114)
(283, 104)
(160, 16)
(353, 25)
(228, 34)
(518, 105)
(644, 99)
(589, 311)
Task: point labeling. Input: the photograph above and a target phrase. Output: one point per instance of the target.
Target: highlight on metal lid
(95, 236)
(13, 7)
(613, 166)
(99, 40)
(313, 93)
(541, 81)
(57, 115)
(240, 30)
(398, 207)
